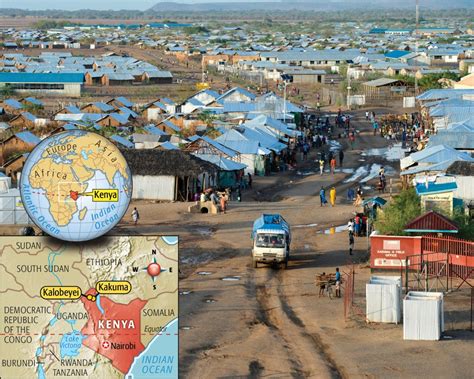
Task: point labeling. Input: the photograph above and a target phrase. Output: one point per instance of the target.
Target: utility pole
(417, 16)
(348, 88)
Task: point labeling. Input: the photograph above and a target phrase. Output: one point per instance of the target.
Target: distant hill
(320, 5)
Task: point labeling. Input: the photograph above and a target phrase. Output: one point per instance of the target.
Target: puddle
(305, 173)
(204, 231)
(374, 172)
(204, 273)
(347, 170)
(392, 153)
(367, 188)
(333, 230)
(334, 145)
(186, 327)
(305, 226)
(361, 160)
(197, 259)
(231, 278)
(368, 172)
(209, 300)
(359, 173)
(185, 292)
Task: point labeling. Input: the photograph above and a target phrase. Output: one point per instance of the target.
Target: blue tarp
(271, 221)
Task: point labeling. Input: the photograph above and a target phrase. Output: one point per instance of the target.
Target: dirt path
(250, 326)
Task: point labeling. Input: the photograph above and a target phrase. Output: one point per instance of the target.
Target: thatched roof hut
(166, 162)
(461, 168)
(168, 174)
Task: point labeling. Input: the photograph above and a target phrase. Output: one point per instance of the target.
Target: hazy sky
(94, 4)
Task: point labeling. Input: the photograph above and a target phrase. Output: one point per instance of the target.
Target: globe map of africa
(76, 185)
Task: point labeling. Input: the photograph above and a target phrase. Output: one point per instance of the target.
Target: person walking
(239, 194)
(223, 203)
(367, 115)
(341, 157)
(322, 196)
(321, 166)
(350, 194)
(322, 284)
(333, 165)
(357, 225)
(338, 282)
(250, 179)
(358, 200)
(332, 196)
(352, 139)
(375, 126)
(351, 242)
(350, 226)
(135, 216)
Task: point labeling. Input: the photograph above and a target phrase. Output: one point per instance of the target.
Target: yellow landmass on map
(56, 180)
(82, 213)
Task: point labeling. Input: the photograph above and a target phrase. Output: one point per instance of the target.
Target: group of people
(332, 196)
(325, 280)
(332, 161)
(219, 199)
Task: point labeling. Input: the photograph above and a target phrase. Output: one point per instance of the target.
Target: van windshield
(270, 240)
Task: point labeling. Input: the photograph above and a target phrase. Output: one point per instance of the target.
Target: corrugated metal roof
(456, 140)
(170, 125)
(242, 146)
(436, 94)
(396, 54)
(380, 82)
(229, 152)
(168, 146)
(265, 139)
(28, 138)
(28, 77)
(431, 188)
(13, 103)
(431, 222)
(123, 141)
(154, 130)
(221, 162)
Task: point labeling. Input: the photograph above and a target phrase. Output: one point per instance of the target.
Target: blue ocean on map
(160, 358)
(170, 240)
(70, 344)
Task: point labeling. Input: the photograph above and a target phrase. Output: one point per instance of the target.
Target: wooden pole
(176, 180)
(187, 188)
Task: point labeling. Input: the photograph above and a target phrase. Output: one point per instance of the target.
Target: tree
(207, 117)
(463, 221)
(6, 91)
(399, 212)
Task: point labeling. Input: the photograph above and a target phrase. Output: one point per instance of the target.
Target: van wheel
(255, 264)
(285, 265)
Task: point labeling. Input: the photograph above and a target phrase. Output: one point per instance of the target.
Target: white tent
(383, 299)
(423, 316)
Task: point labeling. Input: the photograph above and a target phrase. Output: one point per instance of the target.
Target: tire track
(335, 370)
(264, 316)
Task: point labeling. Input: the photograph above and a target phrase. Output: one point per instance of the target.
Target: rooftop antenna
(416, 46)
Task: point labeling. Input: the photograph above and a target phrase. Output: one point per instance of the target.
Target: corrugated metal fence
(445, 263)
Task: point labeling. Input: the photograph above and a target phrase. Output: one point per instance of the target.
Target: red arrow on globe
(74, 195)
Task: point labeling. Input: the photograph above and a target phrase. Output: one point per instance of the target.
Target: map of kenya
(102, 309)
